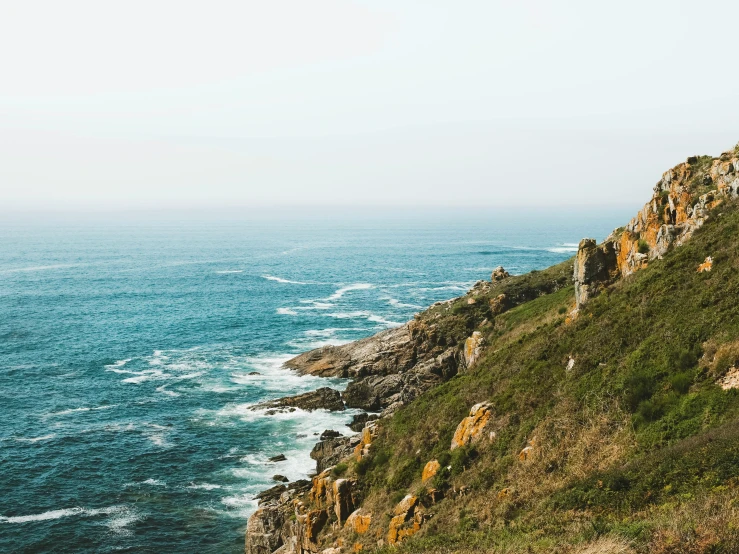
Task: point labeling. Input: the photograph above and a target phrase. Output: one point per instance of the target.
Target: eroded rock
(473, 348)
(472, 427)
(324, 398)
(430, 470)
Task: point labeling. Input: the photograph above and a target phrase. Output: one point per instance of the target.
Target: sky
(178, 104)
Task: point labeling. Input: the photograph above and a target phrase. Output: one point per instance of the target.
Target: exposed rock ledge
(324, 398)
(388, 369)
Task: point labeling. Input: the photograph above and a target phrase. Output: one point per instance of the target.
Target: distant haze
(159, 104)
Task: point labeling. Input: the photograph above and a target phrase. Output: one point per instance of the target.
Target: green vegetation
(634, 444)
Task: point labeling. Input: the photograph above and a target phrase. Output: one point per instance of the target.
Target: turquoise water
(126, 344)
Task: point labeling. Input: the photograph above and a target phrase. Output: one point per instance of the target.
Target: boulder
(278, 458)
(324, 398)
(473, 348)
(498, 304)
(359, 420)
(407, 520)
(594, 266)
(430, 470)
(359, 521)
(330, 452)
(499, 273)
(472, 427)
(329, 434)
(280, 478)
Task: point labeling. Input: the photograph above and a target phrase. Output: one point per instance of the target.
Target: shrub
(339, 469)
(643, 246)
(680, 382)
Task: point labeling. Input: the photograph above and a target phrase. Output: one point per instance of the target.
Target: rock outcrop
(408, 517)
(472, 427)
(680, 204)
(389, 369)
(331, 451)
(324, 398)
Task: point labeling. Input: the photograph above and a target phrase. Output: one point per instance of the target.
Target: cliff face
(680, 204)
(505, 424)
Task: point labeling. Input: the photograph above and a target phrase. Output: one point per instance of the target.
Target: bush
(643, 246)
(680, 382)
(339, 469)
(640, 386)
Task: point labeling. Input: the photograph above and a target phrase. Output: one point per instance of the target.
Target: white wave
(163, 390)
(369, 316)
(286, 311)
(562, 249)
(398, 304)
(315, 305)
(39, 268)
(342, 291)
(227, 271)
(36, 439)
(81, 409)
(119, 363)
(203, 486)
(155, 483)
(382, 321)
(286, 281)
(313, 344)
(66, 512)
(147, 375)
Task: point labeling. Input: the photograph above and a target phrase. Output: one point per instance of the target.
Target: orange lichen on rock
(473, 348)
(359, 522)
(472, 426)
(368, 435)
(707, 265)
(429, 470)
(408, 519)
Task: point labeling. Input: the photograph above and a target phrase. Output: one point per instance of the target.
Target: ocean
(133, 345)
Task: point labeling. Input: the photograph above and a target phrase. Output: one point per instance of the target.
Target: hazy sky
(228, 103)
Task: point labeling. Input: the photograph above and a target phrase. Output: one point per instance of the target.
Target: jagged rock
(473, 348)
(430, 470)
(272, 493)
(343, 500)
(278, 458)
(368, 434)
(594, 266)
(280, 478)
(730, 380)
(472, 427)
(407, 520)
(385, 352)
(499, 274)
(324, 398)
(330, 452)
(389, 369)
(359, 521)
(497, 304)
(263, 530)
(359, 420)
(329, 434)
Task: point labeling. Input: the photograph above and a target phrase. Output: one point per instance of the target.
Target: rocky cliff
(506, 422)
(680, 204)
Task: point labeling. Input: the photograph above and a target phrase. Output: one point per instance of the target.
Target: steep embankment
(589, 407)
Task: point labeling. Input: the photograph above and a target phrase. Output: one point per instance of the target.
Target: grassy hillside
(634, 446)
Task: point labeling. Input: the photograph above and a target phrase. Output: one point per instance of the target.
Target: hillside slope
(592, 407)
